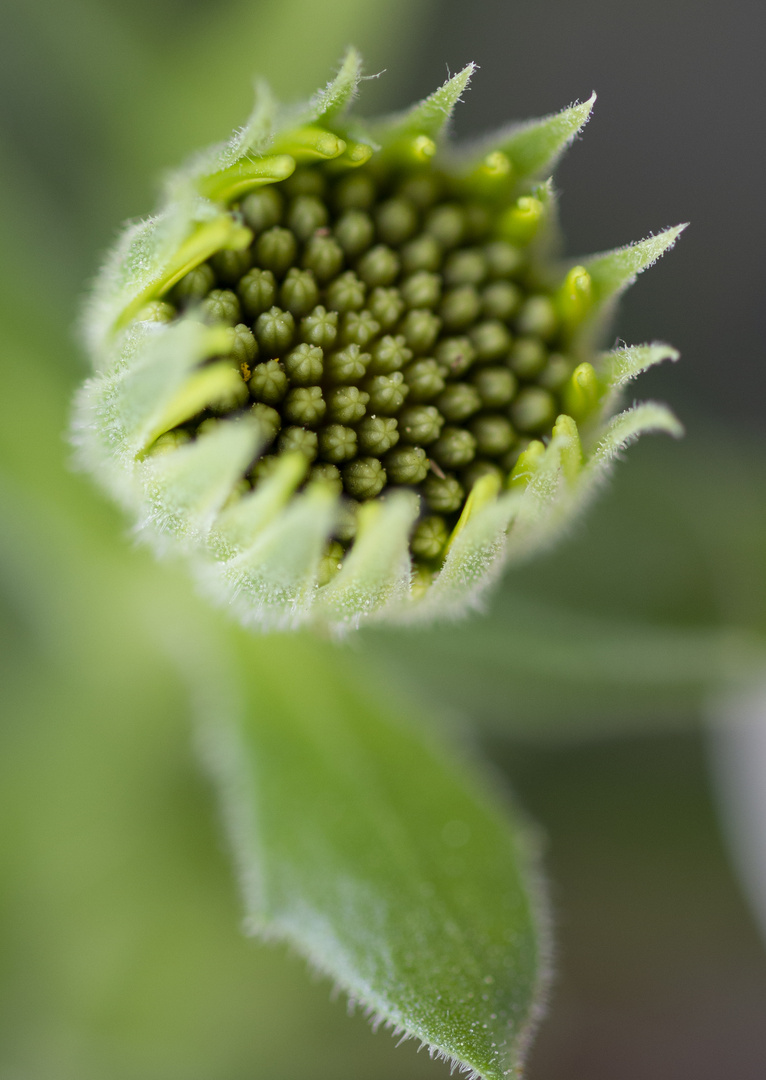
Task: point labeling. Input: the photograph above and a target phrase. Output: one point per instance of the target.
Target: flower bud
(356, 309)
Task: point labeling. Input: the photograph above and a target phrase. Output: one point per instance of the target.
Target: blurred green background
(120, 948)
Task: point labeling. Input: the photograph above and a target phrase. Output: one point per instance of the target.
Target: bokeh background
(589, 680)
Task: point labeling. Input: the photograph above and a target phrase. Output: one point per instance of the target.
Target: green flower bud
(275, 250)
(346, 293)
(193, 286)
(298, 440)
(389, 354)
(346, 404)
(421, 290)
(396, 220)
(443, 494)
(379, 266)
(304, 365)
(274, 330)
(355, 192)
(263, 209)
(354, 232)
(491, 340)
(337, 443)
(420, 424)
(421, 189)
(466, 267)
(533, 410)
(230, 266)
(528, 357)
(500, 300)
(359, 328)
(537, 316)
(447, 224)
(387, 393)
(323, 256)
(458, 401)
(306, 214)
(521, 222)
(299, 292)
(269, 421)
(424, 379)
(454, 447)
(242, 346)
(423, 253)
(493, 433)
(304, 405)
(406, 465)
(503, 259)
(324, 473)
(268, 383)
(157, 311)
(496, 386)
(455, 355)
(386, 306)
(347, 366)
(364, 478)
(220, 306)
(430, 538)
(377, 434)
(460, 307)
(556, 372)
(405, 375)
(320, 328)
(420, 329)
(257, 291)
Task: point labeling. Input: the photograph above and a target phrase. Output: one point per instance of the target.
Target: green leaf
(535, 147)
(431, 115)
(378, 568)
(619, 366)
(614, 271)
(340, 91)
(391, 864)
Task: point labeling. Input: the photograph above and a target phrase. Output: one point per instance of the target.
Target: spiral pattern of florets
(385, 327)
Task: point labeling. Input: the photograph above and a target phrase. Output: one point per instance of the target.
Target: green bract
(341, 371)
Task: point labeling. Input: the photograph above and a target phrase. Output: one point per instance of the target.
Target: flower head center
(387, 325)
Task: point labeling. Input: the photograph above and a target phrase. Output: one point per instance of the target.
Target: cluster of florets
(341, 371)
(385, 329)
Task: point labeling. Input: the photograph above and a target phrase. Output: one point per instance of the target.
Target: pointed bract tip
(614, 271)
(535, 146)
(340, 91)
(431, 115)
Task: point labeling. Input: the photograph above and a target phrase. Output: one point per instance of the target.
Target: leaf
(535, 147)
(614, 271)
(187, 489)
(340, 91)
(272, 581)
(619, 366)
(626, 427)
(385, 860)
(378, 568)
(431, 115)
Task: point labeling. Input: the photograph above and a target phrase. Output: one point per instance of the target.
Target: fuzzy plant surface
(346, 374)
(344, 369)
